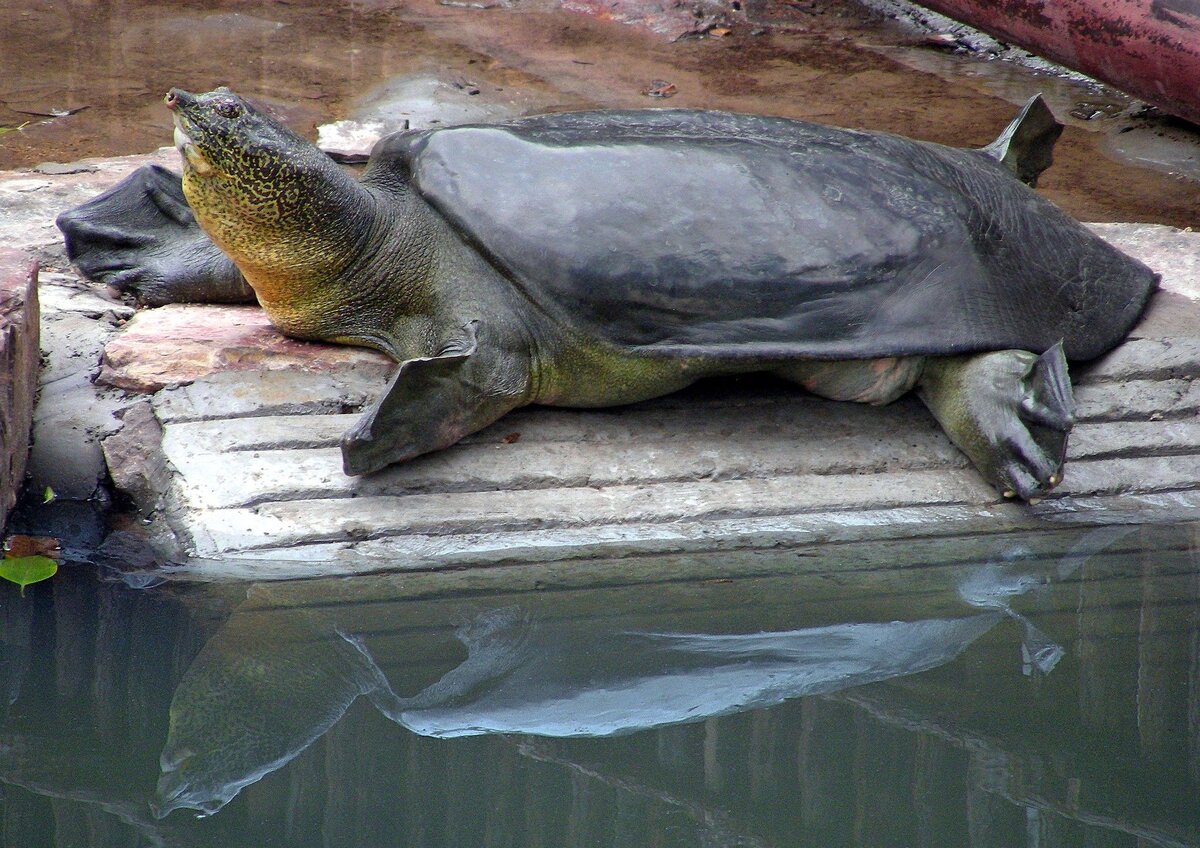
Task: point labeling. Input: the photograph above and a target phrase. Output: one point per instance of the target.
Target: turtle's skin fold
(599, 258)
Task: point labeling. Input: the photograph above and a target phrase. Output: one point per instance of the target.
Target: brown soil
(311, 58)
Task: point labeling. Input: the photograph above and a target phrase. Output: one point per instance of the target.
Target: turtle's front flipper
(140, 236)
(432, 402)
(1009, 411)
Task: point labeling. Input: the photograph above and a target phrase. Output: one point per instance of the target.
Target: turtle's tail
(1026, 147)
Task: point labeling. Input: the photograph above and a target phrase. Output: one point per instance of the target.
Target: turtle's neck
(293, 231)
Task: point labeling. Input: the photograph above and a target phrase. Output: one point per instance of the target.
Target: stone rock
(671, 20)
(180, 343)
(19, 363)
(350, 138)
(139, 469)
(73, 414)
(136, 464)
(62, 169)
(1173, 253)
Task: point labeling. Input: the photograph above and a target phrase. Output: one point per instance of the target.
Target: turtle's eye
(228, 109)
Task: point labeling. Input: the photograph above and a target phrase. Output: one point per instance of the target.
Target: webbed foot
(434, 401)
(140, 237)
(1010, 412)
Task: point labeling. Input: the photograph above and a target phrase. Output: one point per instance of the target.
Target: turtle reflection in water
(600, 258)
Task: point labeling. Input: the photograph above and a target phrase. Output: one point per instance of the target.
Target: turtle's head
(278, 206)
(240, 155)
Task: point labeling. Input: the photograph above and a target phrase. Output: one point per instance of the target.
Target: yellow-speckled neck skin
(322, 268)
(328, 258)
(284, 232)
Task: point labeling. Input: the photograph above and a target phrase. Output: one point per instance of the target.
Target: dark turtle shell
(716, 234)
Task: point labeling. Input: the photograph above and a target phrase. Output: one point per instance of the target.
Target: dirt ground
(836, 62)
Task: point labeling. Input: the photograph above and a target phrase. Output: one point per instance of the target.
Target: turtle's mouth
(188, 150)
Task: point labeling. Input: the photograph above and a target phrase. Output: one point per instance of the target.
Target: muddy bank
(316, 62)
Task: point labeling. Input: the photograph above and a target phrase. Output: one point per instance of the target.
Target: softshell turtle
(601, 258)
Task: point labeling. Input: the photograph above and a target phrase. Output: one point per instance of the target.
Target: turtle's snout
(177, 98)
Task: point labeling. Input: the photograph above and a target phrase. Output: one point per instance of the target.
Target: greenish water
(1038, 690)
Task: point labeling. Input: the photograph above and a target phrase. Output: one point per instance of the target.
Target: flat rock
(178, 344)
(19, 362)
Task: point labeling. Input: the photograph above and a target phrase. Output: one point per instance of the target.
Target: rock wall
(19, 360)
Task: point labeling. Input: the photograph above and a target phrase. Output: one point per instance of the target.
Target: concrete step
(240, 464)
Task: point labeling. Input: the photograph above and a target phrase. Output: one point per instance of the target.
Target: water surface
(1022, 690)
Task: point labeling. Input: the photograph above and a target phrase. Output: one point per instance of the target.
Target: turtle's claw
(1009, 411)
(141, 238)
(1030, 478)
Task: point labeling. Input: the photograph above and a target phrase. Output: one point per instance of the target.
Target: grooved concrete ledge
(235, 458)
(224, 434)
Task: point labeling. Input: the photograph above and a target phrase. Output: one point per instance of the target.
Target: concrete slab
(250, 481)
(225, 435)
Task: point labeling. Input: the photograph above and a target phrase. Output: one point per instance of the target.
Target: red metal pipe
(1149, 48)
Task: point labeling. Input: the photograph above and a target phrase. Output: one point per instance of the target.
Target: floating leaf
(48, 495)
(27, 569)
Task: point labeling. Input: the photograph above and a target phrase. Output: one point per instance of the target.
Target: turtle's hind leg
(140, 237)
(1009, 411)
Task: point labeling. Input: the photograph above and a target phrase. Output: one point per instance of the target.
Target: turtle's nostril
(172, 99)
